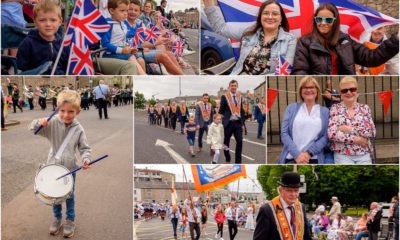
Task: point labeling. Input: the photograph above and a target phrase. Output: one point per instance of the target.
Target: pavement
(157, 144)
(192, 59)
(103, 198)
(144, 230)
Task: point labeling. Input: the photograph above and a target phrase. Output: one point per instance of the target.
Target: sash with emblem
(183, 110)
(262, 108)
(282, 223)
(235, 108)
(205, 111)
(173, 109)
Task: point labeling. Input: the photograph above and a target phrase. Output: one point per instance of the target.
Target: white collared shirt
(287, 211)
(306, 128)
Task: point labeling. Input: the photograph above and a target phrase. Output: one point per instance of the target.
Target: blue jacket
(285, 44)
(317, 148)
(258, 115)
(35, 51)
(109, 41)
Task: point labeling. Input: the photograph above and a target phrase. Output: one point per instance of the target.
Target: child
(151, 55)
(220, 219)
(115, 40)
(184, 221)
(42, 44)
(215, 137)
(190, 130)
(54, 130)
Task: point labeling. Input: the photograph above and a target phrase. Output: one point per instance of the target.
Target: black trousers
(201, 132)
(192, 228)
(234, 128)
(183, 121)
(166, 122)
(42, 103)
(15, 105)
(232, 228)
(3, 123)
(173, 123)
(159, 119)
(220, 229)
(102, 104)
(54, 102)
(30, 101)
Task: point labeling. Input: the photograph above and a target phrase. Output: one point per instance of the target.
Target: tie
(205, 107)
(292, 219)
(234, 99)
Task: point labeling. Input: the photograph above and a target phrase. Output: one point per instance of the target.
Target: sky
(176, 5)
(164, 87)
(245, 185)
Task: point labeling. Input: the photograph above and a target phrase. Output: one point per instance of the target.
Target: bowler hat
(290, 180)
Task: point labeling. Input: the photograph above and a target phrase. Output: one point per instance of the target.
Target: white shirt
(229, 214)
(234, 97)
(306, 128)
(288, 212)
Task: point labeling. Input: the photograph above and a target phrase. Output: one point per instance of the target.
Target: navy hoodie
(35, 51)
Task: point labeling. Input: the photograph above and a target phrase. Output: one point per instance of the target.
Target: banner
(386, 98)
(210, 177)
(174, 197)
(271, 96)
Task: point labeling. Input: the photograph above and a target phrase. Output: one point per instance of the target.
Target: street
(103, 196)
(192, 59)
(156, 144)
(144, 230)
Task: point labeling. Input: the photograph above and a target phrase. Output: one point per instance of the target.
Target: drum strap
(65, 142)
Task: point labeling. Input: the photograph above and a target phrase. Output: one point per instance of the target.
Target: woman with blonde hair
(304, 126)
(351, 126)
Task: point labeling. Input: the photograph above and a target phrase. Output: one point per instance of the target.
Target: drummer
(56, 131)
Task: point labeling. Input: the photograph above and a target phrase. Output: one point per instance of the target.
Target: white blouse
(306, 128)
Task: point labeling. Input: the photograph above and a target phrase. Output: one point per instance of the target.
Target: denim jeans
(260, 128)
(70, 203)
(361, 235)
(191, 141)
(174, 222)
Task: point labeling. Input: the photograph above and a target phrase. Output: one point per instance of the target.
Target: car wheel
(210, 58)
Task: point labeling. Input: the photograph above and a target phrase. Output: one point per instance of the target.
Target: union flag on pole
(210, 177)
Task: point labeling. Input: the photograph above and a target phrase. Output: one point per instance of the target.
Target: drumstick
(49, 118)
(79, 168)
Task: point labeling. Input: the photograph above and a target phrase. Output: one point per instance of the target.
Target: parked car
(214, 47)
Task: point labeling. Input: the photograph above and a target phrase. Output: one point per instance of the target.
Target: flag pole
(237, 193)
(62, 46)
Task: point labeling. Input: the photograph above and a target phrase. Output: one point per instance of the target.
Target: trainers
(69, 228)
(216, 236)
(55, 226)
(221, 239)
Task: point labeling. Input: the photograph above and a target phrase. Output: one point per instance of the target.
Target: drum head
(46, 183)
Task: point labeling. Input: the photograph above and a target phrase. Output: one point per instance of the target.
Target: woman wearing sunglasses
(262, 43)
(350, 127)
(304, 127)
(328, 51)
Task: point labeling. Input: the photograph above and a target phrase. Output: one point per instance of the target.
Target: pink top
(361, 123)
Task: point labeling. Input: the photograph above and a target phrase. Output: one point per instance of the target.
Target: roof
(162, 185)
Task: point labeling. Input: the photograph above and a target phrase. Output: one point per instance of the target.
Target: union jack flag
(152, 32)
(177, 48)
(282, 67)
(86, 26)
(356, 20)
(163, 20)
(80, 61)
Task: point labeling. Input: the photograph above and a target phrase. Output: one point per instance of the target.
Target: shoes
(212, 162)
(221, 239)
(199, 150)
(261, 138)
(55, 226)
(216, 236)
(69, 228)
(186, 52)
(107, 118)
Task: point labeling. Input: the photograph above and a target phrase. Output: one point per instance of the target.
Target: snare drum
(49, 190)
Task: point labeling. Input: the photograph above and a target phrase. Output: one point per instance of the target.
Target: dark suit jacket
(225, 111)
(199, 117)
(266, 228)
(375, 226)
(180, 113)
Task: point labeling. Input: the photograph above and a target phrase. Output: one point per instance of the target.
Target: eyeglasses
(328, 20)
(273, 14)
(346, 90)
(308, 88)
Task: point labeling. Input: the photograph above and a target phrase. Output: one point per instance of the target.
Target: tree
(139, 100)
(152, 102)
(353, 185)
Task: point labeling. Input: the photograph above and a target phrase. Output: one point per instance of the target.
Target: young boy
(151, 55)
(55, 130)
(190, 130)
(115, 40)
(42, 44)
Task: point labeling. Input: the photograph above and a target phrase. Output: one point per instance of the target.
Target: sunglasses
(346, 90)
(327, 20)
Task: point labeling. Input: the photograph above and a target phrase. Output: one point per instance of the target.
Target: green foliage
(139, 100)
(353, 185)
(152, 102)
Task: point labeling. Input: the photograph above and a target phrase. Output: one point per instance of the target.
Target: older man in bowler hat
(283, 217)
